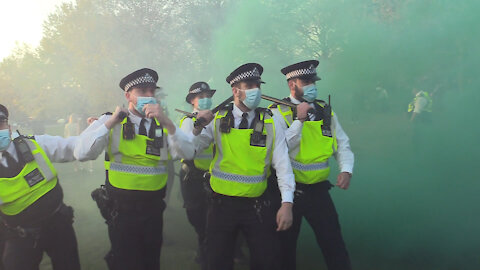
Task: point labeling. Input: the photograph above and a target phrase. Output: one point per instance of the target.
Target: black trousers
(315, 204)
(135, 230)
(255, 218)
(24, 249)
(195, 198)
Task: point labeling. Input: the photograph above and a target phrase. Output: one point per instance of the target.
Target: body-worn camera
(22, 148)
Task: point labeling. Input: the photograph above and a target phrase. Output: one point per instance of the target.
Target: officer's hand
(284, 217)
(343, 180)
(302, 110)
(206, 116)
(91, 119)
(115, 119)
(154, 111)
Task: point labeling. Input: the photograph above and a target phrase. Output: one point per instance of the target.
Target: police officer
(137, 149)
(31, 200)
(247, 145)
(313, 135)
(193, 174)
(421, 106)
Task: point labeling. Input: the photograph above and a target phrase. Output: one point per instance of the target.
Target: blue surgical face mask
(142, 101)
(204, 103)
(253, 98)
(4, 139)
(309, 92)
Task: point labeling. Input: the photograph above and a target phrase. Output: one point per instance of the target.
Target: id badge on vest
(153, 148)
(34, 177)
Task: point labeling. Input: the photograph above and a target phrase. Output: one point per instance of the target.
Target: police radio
(128, 130)
(258, 138)
(327, 119)
(23, 149)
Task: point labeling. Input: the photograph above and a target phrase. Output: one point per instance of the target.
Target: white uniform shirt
(280, 159)
(187, 124)
(94, 139)
(344, 154)
(58, 149)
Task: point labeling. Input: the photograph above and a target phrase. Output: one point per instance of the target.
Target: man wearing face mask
(247, 145)
(193, 175)
(313, 135)
(34, 216)
(137, 149)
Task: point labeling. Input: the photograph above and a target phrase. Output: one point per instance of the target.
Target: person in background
(35, 219)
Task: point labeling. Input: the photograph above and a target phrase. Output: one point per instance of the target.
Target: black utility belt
(239, 199)
(192, 169)
(307, 187)
(13, 222)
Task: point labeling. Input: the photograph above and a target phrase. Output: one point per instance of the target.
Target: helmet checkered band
(253, 74)
(301, 72)
(195, 91)
(147, 78)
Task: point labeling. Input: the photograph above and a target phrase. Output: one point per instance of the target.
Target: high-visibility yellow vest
(238, 168)
(131, 167)
(428, 108)
(310, 159)
(35, 179)
(202, 161)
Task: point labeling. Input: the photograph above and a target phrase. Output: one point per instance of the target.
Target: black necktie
(244, 123)
(141, 129)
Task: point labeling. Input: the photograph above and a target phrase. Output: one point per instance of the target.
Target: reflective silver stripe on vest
(308, 167)
(41, 162)
(247, 179)
(137, 169)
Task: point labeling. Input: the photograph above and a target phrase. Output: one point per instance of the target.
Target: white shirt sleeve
(93, 140)
(293, 134)
(187, 125)
(180, 145)
(281, 163)
(203, 140)
(58, 149)
(420, 104)
(344, 154)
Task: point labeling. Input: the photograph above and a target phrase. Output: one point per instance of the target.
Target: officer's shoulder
(264, 110)
(321, 102)
(273, 106)
(227, 107)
